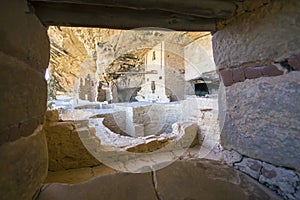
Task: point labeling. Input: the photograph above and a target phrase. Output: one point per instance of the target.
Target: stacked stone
(259, 96)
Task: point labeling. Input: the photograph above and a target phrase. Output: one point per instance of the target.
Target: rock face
(262, 119)
(283, 181)
(23, 167)
(77, 53)
(253, 38)
(24, 56)
(182, 180)
(73, 53)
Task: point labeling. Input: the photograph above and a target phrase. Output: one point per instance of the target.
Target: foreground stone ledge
(203, 179)
(24, 165)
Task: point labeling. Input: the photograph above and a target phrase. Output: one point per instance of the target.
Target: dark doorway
(201, 89)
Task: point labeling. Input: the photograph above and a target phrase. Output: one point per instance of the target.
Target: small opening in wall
(201, 88)
(153, 55)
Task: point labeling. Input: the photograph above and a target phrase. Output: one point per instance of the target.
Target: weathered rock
(207, 180)
(187, 134)
(249, 166)
(294, 61)
(51, 116)
(23, 166)
(150, 145)
(23, 60)
(231, 157)
(182, 180)
(250, 125)
(297, 194)
(67, 146)
(281, 180)
(253, 37)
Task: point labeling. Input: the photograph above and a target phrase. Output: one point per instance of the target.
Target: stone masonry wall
(24, 56)
(257, 54)
(285, 182)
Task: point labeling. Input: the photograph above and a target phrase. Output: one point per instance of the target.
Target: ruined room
(158, 100)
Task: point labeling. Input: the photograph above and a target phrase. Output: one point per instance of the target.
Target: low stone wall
(115, 121)
(285, 182)
(203, 112)
(65, 145)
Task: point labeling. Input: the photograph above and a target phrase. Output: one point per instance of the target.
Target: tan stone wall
(174, 71)
(24, 56)
(199, 57)
(257, 54)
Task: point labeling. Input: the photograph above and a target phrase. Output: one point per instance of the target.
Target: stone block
(253, 72)
(226, 76)
(114, 186)
(207, 180)
(23, 98)
(68, 147)
(51, 116)
(187, 133)
(238, 75)
(249, 114)
(282, 180)
(271, 70)
(32, 46)
(249, 166)
(231, 157)
(254, 36)
(23, 167)
(139, 130)
(294, 61)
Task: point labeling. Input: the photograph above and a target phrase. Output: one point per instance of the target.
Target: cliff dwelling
(158, 100)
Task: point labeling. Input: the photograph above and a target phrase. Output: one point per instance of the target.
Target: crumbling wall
(24, 57)
(257, 54)
(66, 141)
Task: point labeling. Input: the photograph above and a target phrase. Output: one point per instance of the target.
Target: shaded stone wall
(24, 56)
(66, 142)
(257, 54)
(174, 71)
(198, 58)
(87, 88)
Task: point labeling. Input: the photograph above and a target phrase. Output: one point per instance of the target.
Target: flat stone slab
(208, 180)
(115, 187)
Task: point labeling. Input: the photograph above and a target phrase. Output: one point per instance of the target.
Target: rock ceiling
(75, 52)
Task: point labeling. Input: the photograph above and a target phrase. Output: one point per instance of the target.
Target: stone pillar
(24, 56)
(258, 56)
